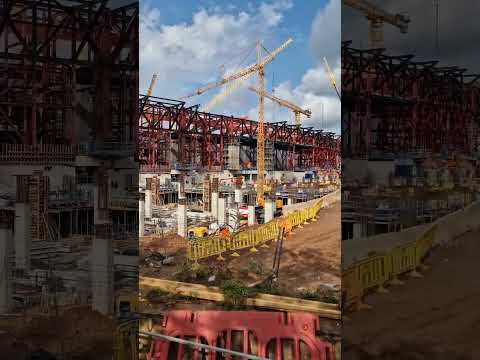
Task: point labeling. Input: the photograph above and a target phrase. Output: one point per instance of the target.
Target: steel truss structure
(393, 105)
(67, 66)
(172, 134)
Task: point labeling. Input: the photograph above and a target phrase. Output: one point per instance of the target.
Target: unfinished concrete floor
(435, 317)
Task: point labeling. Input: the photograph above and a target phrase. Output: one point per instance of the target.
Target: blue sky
(187, 44)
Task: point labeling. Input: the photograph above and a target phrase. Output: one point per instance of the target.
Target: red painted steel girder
(395, 104)
(211, 132)
(53, 54)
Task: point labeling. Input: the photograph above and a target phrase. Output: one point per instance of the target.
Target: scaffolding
(38, 187)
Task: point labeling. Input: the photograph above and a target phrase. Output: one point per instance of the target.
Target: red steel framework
(171, 134)
(68, 72)
(394, 104)
(272, 335)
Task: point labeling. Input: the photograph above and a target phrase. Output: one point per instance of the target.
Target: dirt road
(310, 258)
(423, 317)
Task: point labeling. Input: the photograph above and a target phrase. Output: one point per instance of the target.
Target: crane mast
(235, 81)
(260, 130)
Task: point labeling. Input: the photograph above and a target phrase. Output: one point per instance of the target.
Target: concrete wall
(56, 175)
(449, 227)
(378, 171)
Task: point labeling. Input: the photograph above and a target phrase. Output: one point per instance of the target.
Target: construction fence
(381, 268)
(257, 236)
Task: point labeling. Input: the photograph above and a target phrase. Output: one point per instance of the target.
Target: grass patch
(328, 296)
(236, 293)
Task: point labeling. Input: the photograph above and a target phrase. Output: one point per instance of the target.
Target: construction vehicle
(377, 16)
(197, 232)
(126, 303)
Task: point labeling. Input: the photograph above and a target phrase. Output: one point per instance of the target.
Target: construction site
(239, 226)
(69, 179)
(410, 184)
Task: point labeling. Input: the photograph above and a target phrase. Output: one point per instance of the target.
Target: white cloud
(188, 55)
(315, 92)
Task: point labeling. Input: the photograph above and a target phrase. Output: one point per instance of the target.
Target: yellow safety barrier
(377, 270)
(250, 238)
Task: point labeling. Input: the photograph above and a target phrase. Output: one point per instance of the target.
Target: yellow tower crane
(377, 16)
(249, 70)
(236, 80)
(297, 110)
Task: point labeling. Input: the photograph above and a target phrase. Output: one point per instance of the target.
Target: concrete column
(214, 204)
(23, 238)
(357, 230)
(148, 204)
(102, 269)
(238, 196)
(141, 215)
(222, 209)
(102, 248)
(182, 217)
(269, 210)
(233, 217)
(289, 201)
(251, 215)
(5, 265)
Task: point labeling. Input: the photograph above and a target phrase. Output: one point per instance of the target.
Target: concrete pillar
(238, 196)
(182, 217)
(102, 247)
(233, 217)
(102, 269)
(222, 209)
(148, 204)
(214, 204)
(289, 201)
(251, 215)
(269, 210)
(5, 265)
(23, 238)
(141, 215)
(357, 230)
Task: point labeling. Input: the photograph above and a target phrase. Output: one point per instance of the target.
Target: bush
(236, 293)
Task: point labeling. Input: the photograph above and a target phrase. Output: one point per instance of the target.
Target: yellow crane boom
(331, 75)
(248, 70)
(152, 84)
(377, 16)
(235, 84)
(297, 110)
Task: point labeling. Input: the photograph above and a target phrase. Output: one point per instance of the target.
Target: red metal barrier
(273, 335)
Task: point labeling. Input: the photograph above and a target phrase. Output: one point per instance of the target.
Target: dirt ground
(78, 332)
(434, 317)
(310, 258)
